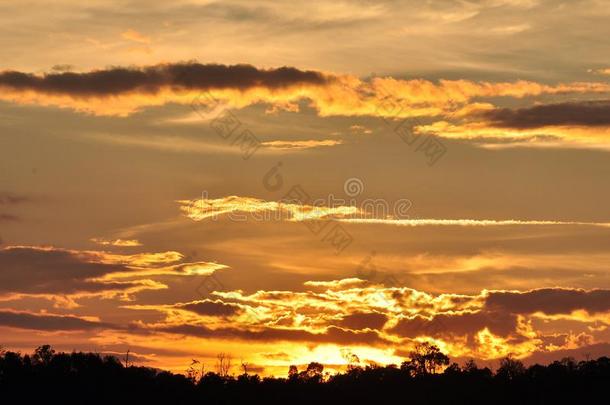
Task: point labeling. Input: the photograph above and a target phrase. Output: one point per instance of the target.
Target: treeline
(427, 378)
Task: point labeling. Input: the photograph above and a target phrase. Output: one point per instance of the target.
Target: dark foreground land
(87, 378)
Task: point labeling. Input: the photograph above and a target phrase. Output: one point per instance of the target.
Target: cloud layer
(331, 94)
(486, 326)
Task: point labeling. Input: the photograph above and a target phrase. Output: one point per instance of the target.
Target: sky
(305, 181)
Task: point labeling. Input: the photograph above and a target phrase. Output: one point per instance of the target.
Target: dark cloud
(8, 218)
(460, 324)
(210, 308)
(25, 320)
(12, 199)
(332, 334)
(8, 199)
(276, 356)
(550, 301)
(359, 321)
(500, 311)
(151, 79)
(53, 271)
(590, 113)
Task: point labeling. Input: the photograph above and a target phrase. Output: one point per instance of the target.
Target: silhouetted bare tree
(223, 364)
(244, 366)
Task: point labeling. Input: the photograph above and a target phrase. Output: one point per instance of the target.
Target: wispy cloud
(204, 208)
(48, 322)
(117, 242)
(298, 145)
(468, 222)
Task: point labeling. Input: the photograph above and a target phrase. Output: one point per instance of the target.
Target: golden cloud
(205, 208)
(117, 242)
(298, 145)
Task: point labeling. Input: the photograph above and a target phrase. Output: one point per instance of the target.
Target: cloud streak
(152, 79)
(64, 276)
(47, 322)
(589, 113)
(206, 208)
(469, 222)
(299, 145)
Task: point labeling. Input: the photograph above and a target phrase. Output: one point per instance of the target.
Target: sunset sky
(290, 182)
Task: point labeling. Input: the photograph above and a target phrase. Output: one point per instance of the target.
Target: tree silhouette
(510, 368)
(426, 359)
(293, 373)
(43, 355)
(313, 373)
(77, 378)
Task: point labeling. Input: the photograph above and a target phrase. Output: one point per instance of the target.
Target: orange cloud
(205, 208)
